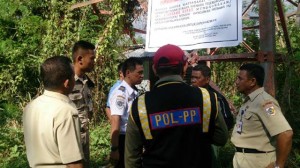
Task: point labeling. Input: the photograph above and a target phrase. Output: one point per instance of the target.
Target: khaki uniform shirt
(82, 97)
(258, 121)
(51, 131)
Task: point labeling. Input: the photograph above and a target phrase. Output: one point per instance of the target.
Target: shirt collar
(57, 95)
(171, 78)
(83, 79)
(255, 93)
(129, 89)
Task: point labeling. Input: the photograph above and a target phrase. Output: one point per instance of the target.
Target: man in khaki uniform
(51, 124)
(83, 58)
(262, 136)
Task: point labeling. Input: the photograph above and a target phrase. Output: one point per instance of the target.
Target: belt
(248, 150)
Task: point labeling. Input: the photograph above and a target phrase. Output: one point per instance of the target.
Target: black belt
(248, 150)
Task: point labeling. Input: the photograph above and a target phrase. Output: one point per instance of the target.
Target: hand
(114, 157)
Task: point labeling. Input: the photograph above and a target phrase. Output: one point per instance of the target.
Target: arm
(283, 133)
(220, 135)
(226, 112)
(77, 164)
(283, 148)
(108, 114)
(115, 130)
(133, 145)
(68, 136)
(117, 108)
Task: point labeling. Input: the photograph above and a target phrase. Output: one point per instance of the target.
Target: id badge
(239, 127)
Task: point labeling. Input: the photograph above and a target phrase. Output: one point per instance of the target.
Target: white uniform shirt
(120, 103)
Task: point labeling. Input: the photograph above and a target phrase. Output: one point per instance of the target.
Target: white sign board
(194, 24)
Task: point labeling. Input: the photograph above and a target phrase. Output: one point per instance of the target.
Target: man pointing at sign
(174, 124)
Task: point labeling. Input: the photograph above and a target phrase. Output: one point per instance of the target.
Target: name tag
(175, 118)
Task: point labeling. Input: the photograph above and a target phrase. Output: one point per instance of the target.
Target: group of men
(173, 125)
(56, 124)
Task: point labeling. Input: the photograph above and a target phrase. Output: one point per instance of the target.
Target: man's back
(46, 120)
(174, 124)
(181, 132)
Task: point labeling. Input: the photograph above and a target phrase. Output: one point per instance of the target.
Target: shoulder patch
(120, 102)
(122, 88)
(269, 108)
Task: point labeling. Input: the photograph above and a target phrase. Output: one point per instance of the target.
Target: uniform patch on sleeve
(120, 102)
(122, 88)
(175, 118)
(269, 108)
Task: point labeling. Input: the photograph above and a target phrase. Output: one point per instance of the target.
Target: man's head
(169, 60)
(200, 76)
(57, 74)
(250, 77)
(133, 71)
(83, 57)
(120, 72)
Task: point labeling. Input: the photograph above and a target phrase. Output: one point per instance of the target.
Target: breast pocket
(247, 116)
(77, 100)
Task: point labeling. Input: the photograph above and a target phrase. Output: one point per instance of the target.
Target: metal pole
(267, 42)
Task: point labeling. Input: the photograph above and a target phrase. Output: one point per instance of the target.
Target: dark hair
(169, 70)
(255, 71)
(81, 45)
(204, 69)
(130, 64)
(55, 70)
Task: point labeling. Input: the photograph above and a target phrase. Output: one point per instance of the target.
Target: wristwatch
(114, 148)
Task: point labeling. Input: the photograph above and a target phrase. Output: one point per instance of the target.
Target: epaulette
(122, 88)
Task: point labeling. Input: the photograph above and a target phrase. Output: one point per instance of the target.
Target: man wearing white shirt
(119, 81)
(120, 104)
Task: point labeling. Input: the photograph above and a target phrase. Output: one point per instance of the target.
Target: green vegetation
(30, 32)
(33, 30)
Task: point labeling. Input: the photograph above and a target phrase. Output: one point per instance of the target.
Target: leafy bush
(100, 144)
(12, 147)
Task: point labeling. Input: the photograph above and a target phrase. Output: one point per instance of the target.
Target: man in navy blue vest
(174, 124)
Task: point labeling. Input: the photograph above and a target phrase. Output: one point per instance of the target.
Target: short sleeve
(117, 103)
(272, 117)
(68, 138)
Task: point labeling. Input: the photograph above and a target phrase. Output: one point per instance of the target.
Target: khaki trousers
(253, 160)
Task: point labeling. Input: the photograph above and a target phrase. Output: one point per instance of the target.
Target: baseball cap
(169, 55)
